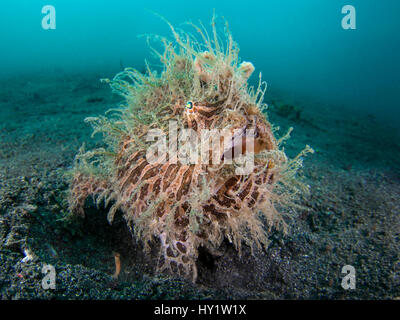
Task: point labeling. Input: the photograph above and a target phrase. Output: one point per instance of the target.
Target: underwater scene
(213, 150)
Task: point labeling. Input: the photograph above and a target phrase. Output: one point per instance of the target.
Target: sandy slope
(350, 217)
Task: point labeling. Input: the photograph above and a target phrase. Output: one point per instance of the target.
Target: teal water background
(298, 45)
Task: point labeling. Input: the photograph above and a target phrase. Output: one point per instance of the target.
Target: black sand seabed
(352, 215)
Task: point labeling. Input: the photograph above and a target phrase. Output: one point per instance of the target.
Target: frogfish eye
(189, 105)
